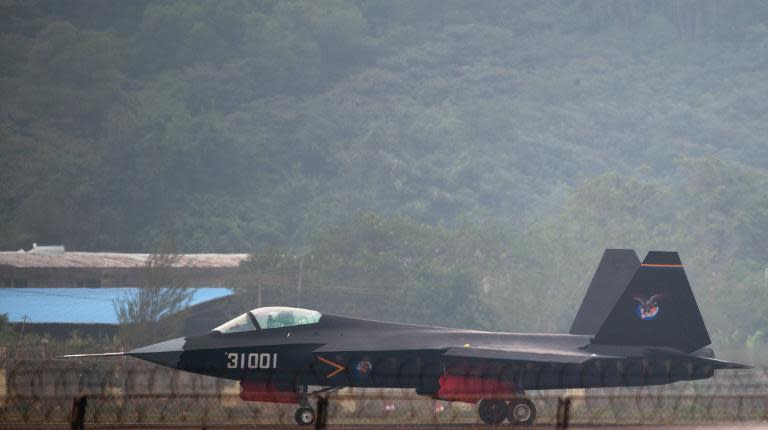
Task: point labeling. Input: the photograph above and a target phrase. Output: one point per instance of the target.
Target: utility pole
(298, 286)
(21, 336)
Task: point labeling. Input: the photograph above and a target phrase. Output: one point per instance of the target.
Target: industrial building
(54, 267)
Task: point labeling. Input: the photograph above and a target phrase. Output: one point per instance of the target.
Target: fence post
(77, 417)
(322, 413)
(563, 411)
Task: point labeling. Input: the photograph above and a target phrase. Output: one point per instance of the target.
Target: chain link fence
(125, 392)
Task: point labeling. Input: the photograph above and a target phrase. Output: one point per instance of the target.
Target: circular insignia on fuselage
(364, 368)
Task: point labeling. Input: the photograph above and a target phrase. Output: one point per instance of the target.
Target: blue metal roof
(74, 305)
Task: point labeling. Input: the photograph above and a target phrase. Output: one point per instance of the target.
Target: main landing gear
(520, 411)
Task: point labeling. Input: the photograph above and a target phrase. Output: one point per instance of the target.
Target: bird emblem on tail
(648, 309)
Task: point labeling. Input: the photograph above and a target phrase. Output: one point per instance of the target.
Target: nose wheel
(305, 416)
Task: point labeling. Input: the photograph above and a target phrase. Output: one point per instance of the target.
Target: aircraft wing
(722, 364)
(711, 361)
(527, 355)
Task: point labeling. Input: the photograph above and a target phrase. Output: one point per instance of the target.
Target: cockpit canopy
(269, 317)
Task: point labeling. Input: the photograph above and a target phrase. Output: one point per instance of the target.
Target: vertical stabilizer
(614, 272)
(656, 309)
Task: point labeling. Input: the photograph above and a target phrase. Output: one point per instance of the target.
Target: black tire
(521, 412)
(492, 412)
(305, 416)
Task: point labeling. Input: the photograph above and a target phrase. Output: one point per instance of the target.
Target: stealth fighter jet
(638, 324)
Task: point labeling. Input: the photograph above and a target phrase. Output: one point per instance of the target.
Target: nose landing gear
(519, 411)
(305, 415)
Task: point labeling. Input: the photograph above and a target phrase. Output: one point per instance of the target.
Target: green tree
(164, 292)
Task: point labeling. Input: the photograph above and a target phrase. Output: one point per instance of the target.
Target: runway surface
(167, 426)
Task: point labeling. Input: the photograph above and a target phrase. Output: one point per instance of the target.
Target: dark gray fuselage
(343, 351)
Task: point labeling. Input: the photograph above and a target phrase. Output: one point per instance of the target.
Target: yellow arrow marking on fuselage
(338, 367)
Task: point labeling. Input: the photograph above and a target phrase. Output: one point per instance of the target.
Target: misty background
(441, 162)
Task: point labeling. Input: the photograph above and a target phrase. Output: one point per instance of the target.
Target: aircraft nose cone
(166, 353)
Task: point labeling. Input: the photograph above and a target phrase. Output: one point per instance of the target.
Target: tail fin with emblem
(656, 309)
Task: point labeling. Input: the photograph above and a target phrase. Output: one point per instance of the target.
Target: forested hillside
(531, 274)
(526, 135)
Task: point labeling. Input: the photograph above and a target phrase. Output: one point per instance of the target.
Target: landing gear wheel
(305, 416)
(492, 412)
(522, 412)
